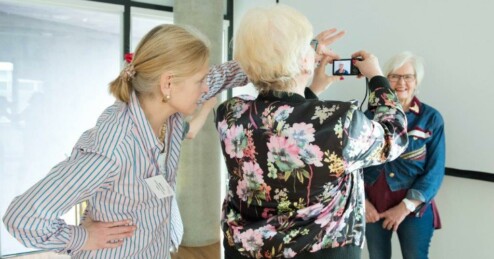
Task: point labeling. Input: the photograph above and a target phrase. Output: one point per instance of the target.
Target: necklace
(161, 137)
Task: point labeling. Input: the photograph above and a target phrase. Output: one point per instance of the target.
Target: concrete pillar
(198, 180)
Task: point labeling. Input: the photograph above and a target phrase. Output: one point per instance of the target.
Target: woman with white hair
(294, 161)
(400, 194)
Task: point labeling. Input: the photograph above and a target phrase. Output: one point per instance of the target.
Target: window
(56, 62)
(55, 65)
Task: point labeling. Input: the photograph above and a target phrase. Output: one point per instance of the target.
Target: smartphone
(345, 67)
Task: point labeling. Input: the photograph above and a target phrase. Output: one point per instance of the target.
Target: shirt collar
(143, 127)
(281, 96)
(415, 106)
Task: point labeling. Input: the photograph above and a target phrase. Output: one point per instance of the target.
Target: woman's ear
(165, 83)
(307, 63)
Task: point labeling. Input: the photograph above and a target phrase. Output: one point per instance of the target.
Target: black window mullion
(126, 27)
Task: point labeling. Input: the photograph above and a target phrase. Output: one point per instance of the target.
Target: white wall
(455, 38)
(452, 36)
(466, 214)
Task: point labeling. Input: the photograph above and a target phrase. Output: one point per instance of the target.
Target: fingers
(367, 64)
(330, 36)
(371, 217)
(120, 230)
(387, 224)
(113, 244)
(125, 222)
(395, 227)
(122, 235)
(361, 53)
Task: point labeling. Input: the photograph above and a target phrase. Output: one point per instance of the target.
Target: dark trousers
(414, 233)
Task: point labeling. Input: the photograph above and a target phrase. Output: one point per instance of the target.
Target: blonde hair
(181, 50)
(401, 59)
(270, 44)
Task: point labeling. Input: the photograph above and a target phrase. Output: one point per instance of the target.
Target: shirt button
(391, 174)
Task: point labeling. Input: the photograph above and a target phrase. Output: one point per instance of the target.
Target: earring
(166, 98)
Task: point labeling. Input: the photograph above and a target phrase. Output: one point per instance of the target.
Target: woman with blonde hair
(294, 161)
(126, 166)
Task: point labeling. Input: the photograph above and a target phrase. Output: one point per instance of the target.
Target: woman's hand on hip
(106, 234)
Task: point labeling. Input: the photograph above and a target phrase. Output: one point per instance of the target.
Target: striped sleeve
(224, 76)
(33, 218)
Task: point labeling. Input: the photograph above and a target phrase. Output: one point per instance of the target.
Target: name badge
(159, 186)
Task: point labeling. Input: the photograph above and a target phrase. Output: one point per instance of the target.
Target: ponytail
(167, 47)
(121, 87)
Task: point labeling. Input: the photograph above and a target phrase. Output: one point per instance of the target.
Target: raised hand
(321, 81)
(326, 38)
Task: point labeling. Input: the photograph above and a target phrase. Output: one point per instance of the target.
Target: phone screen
(345, 67)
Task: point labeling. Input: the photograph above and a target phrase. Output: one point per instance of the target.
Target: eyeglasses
(395, 78)
(314, 43)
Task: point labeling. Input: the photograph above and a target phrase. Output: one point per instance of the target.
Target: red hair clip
(129, 57)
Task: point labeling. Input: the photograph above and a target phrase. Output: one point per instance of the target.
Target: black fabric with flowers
(294, 163)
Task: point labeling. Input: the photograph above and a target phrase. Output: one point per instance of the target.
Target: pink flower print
(266, 213)
(267, 231)
(243, 190)
(312, 155)
(222, 129)
(316, 247)
(236, 233)
(325, 215)
(310, 212)
(302, 133)
(284, 153)
(289, 253)
(250, 151)
(235, 141)
(282, 113)
(251, 240)
(252, 172)
(238, 109)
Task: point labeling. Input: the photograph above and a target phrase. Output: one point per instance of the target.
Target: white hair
(401, 59)
(270, 44)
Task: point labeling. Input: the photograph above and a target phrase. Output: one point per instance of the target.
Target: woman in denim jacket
(400, 193)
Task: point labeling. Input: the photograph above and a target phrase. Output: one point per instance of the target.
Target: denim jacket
(420, 169)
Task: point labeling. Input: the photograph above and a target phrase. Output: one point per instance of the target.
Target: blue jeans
(414, 233)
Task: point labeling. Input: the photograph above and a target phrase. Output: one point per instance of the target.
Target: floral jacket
(294, 163)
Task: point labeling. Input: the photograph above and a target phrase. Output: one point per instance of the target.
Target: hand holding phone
(367, 64)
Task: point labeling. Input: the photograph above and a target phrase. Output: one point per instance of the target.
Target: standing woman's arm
(33, 218)
(426, 185)
(224, 76)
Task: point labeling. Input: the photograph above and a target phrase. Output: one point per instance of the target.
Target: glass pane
(157, 2)
(143, 20)
(55, 66)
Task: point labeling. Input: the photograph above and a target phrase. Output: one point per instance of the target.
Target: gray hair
(401, 59)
